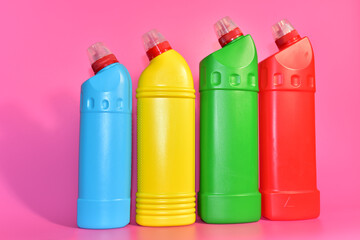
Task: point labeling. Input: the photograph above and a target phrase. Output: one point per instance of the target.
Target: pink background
(44, 62)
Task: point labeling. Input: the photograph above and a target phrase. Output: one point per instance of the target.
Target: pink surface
(44, 62)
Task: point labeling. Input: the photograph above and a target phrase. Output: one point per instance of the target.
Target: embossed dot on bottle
(90, 103)
(311, 81)
(105, 104)
(277, 79)
(251, 80)
(215, 78)
(234, 80)
(295, 81)
(119, 104)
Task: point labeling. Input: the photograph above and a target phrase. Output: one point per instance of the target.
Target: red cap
(155, 44)
(284, 34)
(100, 56)
(226, 30)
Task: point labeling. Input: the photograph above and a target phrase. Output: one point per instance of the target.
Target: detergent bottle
(105, 143)
(287, 128)
(229, 129)
(165, 137)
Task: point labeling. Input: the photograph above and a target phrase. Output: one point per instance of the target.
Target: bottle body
(287, 134)
(229, 134)
(166, 143)
(105, 149)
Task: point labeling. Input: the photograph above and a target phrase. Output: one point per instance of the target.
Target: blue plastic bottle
(105, 144)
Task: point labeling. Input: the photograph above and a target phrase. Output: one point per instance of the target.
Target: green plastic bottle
(229, 129)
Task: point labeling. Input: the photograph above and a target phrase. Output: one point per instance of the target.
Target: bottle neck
(230, 36)
(103, 62)
(158, 49)
(287, 40)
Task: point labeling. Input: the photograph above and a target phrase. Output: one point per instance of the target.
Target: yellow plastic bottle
(166, 137)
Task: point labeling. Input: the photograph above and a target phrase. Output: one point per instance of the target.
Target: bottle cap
(155, 43)
(284, 33)
(226, 30)
(100, 56)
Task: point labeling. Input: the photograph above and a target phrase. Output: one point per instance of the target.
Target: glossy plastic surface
(152, 38)
(224, 26)
(97, 51)
(166, 143)
(229, 134)
(155, 44)
(287, 134)
(226, 31)
(282, 28)
(105, 149)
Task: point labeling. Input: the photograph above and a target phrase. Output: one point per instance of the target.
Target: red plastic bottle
(287, 128)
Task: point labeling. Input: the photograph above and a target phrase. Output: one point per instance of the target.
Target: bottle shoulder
(292, 69)
(109, 90)
(298, 56)
(108, 79)
(238, 54)
(234, 67)
(167, 70)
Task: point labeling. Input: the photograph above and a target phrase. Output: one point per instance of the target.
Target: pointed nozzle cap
(226, 30)
(284, 34)
(152, 38)
(96, 51)
(155, 43)
(282, 28)
(100, 56)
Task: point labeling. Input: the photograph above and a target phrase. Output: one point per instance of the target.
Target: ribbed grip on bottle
(165, 210)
